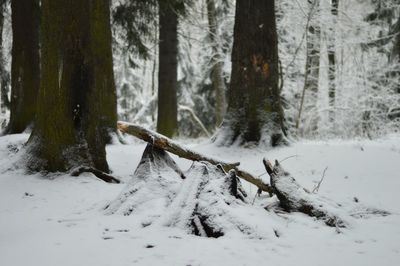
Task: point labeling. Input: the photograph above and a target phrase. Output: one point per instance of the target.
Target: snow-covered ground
(60, 221)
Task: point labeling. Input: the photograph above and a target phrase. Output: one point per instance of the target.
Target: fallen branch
(315, 190)
(292, 197)
(99, 174)
(164, 143)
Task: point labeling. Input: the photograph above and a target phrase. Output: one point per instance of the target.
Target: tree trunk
(167, 119)
(254, 104)
(396, 45)
(396, 48)
(332, 60)
(4, 75)
(77, 87)
(217, 64)
(309, 97)
(25, 68)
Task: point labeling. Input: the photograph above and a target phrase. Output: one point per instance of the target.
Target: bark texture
(25, 65)
(309, 97)
(77, 87)
(254, 104)
(4, 75)
(167, 119)
(332, 60)
(217, 64)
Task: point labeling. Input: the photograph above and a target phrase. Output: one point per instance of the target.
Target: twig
(315, 190)
(284, 159)
(258, 193)
(99, 174)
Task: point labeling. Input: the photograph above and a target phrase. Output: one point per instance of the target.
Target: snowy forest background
(214, 194)
(363, 37)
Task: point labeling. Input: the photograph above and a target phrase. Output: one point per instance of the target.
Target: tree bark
(396, 45)
(396, 49)
(25, 68)
(217, 64)
(77, 87)
(309, 97)
(4, 75)
(254, 103)
(164, 143)
(332, 60)
(167, 119)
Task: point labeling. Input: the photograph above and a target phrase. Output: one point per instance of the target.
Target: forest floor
(60, 220)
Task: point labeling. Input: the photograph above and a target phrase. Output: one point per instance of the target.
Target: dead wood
(293, 197)
(99, 174)
(164, 143)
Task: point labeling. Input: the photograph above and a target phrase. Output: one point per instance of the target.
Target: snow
(60, 220)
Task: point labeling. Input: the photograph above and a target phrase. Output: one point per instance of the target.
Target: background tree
(25, 68)
(167, 118)
(4, 75)
(309, 97)
(217, 64)
(332, 59)
(77, 87)
(254, 105)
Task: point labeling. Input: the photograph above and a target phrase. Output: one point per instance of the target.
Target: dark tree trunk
(167, 121)
(332, 60)
(217, 64)
(25, 68)
(4, 75)
(254, 104)
(77, 87)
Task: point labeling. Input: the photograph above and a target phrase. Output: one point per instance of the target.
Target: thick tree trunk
(332, 60)
(254, 104)
(77, 87)
(25, 68)
(217, 64)
(167, 119)
(4, 75)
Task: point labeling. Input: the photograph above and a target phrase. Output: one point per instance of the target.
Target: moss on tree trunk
(77, 99)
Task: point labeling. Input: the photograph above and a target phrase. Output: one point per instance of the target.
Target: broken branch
(99, 174)
(162, 142)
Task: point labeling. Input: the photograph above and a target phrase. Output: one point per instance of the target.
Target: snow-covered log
(209, 202)
(169, 145)
(293, 197)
